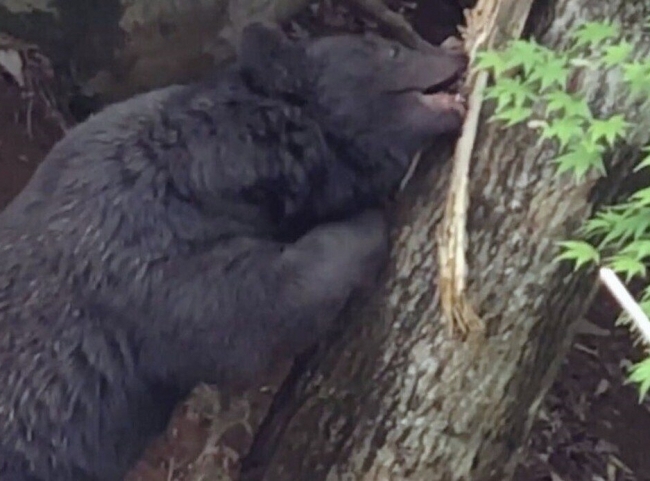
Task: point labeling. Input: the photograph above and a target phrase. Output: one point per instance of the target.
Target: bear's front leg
(229, 314)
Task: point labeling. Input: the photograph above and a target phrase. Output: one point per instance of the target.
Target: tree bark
(115, 48)
(396, 397)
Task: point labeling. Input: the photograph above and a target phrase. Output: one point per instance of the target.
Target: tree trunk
(115, 48)
(396, 397)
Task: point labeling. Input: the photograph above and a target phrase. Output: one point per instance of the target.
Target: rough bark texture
(397, 398)
(115, 48)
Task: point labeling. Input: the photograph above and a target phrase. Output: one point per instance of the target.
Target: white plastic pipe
(626, 301)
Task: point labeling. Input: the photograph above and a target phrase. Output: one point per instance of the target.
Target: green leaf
(627, 265)
(564, 129)
(626, 225)
(595, 226)
(554, 74)
(639, 223)
(570, 105)
(640, 374)
(609, 129)
(491, 60)
(526, 53)
(641, 197)
(617, 224)
(646, 297)
(579, 251)
(594, 33)
(645, 162)
(514, 115)
(638, 249)
(581, 157)
(636, 75)
(513, 89)
(617, 54)
(503, 99)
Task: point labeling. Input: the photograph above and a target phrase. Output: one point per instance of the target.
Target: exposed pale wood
(489, 23)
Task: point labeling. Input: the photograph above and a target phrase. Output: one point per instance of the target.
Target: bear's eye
(394, 52)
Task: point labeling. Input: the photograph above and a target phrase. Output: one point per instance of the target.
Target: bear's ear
(270, 60)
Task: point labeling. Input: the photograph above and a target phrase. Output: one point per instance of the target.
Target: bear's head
(373, 93)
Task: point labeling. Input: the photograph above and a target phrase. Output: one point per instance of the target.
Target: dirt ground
(591, 426)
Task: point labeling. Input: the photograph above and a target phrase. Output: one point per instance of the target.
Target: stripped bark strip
(489, 24)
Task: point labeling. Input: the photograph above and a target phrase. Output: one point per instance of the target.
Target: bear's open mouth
(449, 85)
(446, 94)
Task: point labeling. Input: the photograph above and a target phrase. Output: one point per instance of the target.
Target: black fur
(198, 234)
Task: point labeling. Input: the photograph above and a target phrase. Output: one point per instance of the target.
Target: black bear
(200, 233)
